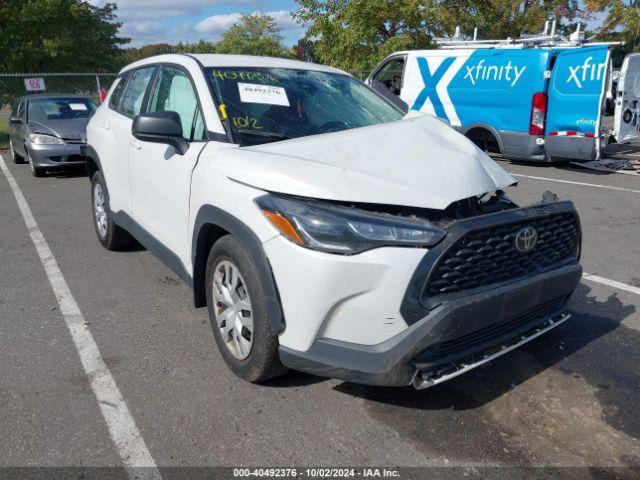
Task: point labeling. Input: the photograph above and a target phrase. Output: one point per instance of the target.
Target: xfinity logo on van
(509, 72)
(587, 72)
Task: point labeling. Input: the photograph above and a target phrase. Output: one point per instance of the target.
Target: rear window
(134, 96)
(48, 109)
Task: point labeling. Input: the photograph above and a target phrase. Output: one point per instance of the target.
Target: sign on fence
(34, 84)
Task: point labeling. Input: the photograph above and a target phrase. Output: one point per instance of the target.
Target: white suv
(325, 230)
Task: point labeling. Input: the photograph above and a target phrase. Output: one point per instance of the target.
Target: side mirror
(15, 120)
(160, 127)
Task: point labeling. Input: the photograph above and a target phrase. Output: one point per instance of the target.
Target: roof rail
(548, 38)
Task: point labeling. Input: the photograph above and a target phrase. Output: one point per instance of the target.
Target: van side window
(390, 75)
(134, 95)
(173, 91)
(116, 96)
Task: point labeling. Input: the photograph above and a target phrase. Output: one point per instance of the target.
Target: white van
(524, 103)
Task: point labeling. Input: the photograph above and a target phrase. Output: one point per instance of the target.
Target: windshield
(271, 104)
(47, 109)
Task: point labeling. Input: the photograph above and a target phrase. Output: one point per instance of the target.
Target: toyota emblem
(526, 239)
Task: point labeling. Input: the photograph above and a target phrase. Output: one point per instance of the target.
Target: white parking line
(122, 427)
(621, 189)
(611, 283)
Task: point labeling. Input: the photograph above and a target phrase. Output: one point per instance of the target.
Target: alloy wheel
(100, 210)
(233, 311)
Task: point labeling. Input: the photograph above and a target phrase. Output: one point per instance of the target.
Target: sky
(173, 21)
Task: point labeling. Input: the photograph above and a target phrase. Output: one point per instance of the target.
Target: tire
(35, 171)
(110, 235)
(259, 360)
(17, 159)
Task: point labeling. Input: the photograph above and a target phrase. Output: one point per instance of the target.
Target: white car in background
(325, 230)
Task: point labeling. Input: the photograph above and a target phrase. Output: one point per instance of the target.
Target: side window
(174, 92)
(134, 95)
(390, 75)
(116, 96)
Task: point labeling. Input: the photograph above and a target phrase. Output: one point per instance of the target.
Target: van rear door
(576, 97)
(626, 123)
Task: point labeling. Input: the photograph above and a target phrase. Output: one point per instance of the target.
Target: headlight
(345, 230)
(42, 139)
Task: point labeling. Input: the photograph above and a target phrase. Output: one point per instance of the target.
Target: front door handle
(105, 125)
(136, 145)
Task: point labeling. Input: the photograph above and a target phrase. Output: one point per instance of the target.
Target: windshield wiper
(259, 133)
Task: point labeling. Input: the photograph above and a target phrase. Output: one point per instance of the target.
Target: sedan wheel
(233, 311)
(35, 171)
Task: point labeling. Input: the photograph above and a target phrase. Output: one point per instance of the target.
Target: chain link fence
(15, 85)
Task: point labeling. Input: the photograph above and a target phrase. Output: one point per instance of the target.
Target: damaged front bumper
(452, 332)
(498, 315)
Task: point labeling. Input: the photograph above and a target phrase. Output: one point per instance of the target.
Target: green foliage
(4, 131)
(357, 34)
(622, 19)
(253, 35)
(134, 54)
(305, 50)
(505, 18)
(58, 35)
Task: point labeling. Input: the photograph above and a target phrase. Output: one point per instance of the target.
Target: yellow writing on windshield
(243, 75)
(246, 122)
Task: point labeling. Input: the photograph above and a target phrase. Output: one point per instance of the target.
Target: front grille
(496, 331)
(489, 256)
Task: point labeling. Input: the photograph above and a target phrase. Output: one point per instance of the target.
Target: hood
(418, 162)
(70, 129)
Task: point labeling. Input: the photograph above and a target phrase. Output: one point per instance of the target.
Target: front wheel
(238, 313)
(35, 171)
(14, 155)
(110, 235)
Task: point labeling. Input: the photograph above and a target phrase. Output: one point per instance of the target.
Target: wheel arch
(93, 161)
(210, 225)
(484, 130)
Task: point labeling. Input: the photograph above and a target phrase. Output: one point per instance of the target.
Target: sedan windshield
(46, 109)
(272, 104)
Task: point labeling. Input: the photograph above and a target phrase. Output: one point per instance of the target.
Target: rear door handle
(136, 145)
(105, 125)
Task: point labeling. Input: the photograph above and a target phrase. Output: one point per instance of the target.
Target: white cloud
(172, 21)
(284, 19)
(215, 25)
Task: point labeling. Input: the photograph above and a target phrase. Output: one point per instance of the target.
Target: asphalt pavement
(568, 399)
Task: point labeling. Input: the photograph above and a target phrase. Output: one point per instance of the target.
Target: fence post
(98, 83)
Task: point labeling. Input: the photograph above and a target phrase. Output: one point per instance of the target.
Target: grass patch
(4, 137)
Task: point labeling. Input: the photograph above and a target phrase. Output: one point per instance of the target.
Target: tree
(622, 21)
(58, 35)
(134, 54)
(304, 50)
(506, 18)
(357, 34)
(253, 35)
(201, 46)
